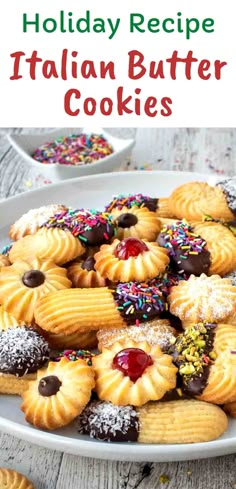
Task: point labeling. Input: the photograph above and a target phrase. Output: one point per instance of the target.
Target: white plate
(25, 144)
(90, 192)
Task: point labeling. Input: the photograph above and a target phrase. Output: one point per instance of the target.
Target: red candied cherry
(129, 247)
(132, 362)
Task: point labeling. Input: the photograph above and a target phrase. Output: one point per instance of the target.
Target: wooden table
(204, 150)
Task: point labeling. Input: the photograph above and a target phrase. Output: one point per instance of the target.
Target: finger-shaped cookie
(206, 358)
(184, 421)
(98, 308)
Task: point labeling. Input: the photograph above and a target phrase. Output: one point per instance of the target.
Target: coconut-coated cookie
(59, 394)
(10, 479)
(184, 421)
(24, 282)
(131, 259)
(130, 372)
(32, 220)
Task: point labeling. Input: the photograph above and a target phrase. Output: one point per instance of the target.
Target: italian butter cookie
(206, 358)
(59, 394)
(230, 409)
(205, 247)
(159, 206)
(91, 227)
(131, 259)
(155, 332)
(136, 223)
(207, 299)
(4, 261)
(22, 352)
(10, 479)
(55, 244)
(83, 274)
(23, 283)
(130, 372)
(184, 421)
(194, 200)
(32, 220)
(83, 340)
(99, 308)
(8, 321)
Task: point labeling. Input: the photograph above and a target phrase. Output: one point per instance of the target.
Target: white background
(41, 102)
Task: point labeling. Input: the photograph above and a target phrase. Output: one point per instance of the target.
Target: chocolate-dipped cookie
(22, 352)
(130, 201)
(182, 421)
(205, 355)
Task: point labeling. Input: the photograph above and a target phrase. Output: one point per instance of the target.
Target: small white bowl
(25, 145)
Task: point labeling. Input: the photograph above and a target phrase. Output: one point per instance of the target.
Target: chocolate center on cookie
(126, 220)
(49, 386)
(33, 278)
(88, 264)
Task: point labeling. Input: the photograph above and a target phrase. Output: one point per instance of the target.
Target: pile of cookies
(124, 319)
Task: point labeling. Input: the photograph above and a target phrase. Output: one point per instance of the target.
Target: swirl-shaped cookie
(7, 320)
(23, 283)
(32, 220)
(206, 358)
(184, 421)
(159, 206)
(131, 372)
(194, 200)
(54, 244)
(99, 308)
(10, 479)
(210, 299)
(131, 259)
(136, 223)
(83, 274)
(59, 394)
(203, 247)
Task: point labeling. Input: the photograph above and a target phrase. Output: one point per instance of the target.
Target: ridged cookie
(10, 479)
(59, 394)
(173, 422)
(136, 222)
(130, 372)
(32, 220)
(83, 275)
(194, 200)
(131, 259)
(24, 282)
(210, 299)
(206, 358)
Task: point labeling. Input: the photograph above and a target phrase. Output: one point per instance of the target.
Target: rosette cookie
(206, 360)
(32, 220)
(54, 244)
(136, 223)
(8, 321)
(23, 283)
(83, 274)
(159, 206)
(184, 421)
(22, 352)
(205, 247)
(10, 479)
(59, 394)
(207, 299)
(155, 332)
(131, 259)
(99, 308)
(130, 372)
(194, 200)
